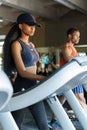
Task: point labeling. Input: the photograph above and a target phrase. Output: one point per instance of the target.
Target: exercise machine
(61, 81)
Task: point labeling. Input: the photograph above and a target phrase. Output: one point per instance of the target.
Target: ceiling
(45, 9)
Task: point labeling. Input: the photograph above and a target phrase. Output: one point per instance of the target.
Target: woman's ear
(20, 26)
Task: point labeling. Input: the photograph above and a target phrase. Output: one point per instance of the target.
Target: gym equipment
(61, 81)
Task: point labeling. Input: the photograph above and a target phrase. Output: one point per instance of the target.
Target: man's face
(75, 37)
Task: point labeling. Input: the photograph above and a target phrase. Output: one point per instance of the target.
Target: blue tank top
(29, 54)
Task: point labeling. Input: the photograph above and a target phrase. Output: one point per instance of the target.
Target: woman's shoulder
(16, 44)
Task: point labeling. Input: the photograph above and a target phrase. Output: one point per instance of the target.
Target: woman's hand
(41, 77)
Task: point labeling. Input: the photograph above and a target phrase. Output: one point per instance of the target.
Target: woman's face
(27, 30)
(75, 37)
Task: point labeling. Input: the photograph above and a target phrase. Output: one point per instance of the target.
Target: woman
(20, 55)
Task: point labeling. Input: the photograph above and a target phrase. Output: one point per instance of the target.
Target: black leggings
(37, 110)
(39, 114)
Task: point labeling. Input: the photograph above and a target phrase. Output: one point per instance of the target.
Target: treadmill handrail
(56, 82)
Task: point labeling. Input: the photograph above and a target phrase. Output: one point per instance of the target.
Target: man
(68, 51)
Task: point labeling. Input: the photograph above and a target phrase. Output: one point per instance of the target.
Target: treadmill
(61, 81)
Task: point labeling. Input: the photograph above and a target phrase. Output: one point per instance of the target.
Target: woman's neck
(25, 39)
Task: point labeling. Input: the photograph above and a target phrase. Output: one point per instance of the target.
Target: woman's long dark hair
(8, 63)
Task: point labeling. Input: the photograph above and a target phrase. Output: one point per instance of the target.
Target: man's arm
(67, 53)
